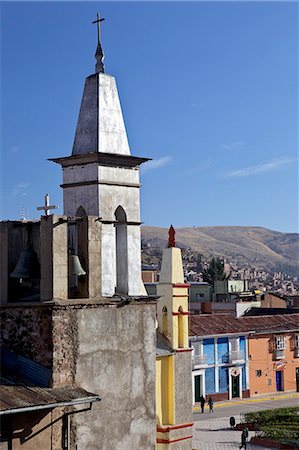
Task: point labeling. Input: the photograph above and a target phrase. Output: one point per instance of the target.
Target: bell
(27, 265)
(75, 266)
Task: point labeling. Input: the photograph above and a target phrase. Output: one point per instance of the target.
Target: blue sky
(208, 89)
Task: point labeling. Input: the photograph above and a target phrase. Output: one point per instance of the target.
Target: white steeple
(102, 179)
(100, 125)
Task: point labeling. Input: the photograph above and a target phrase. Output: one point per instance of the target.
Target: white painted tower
(101, 178)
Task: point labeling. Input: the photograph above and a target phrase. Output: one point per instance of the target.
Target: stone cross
(98, 22)
(47, 206)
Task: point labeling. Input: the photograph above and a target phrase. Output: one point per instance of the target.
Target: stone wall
(27, 331)
(183, 387)
(116, 360)
(65, 345)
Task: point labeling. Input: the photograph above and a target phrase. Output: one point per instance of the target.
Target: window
(297, 341)
(279, 343)
(234, 342)
(196, 348)
(164, 320)
(209, 350)
(210, 380)
(258, 373)
(181, 328)
(121, 246)
(223, 379)
(199, 296)
(222, 347)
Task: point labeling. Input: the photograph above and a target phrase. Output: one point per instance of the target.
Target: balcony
(235, 355)
(199, 359)
(278, 354)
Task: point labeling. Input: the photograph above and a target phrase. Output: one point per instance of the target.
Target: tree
(199, 263)
(215, 271)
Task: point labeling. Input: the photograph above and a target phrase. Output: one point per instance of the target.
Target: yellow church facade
(173, 360)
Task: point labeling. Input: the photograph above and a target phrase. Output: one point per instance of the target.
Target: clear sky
(208, 89)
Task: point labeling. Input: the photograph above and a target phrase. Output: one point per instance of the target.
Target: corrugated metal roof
(15, 399)
(22, 367)
(214, 324)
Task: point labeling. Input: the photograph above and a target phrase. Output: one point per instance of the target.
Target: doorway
(197, 388)
(279, 380)
(297, 379)
(236, 386)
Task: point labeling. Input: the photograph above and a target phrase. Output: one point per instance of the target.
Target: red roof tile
(213, 324)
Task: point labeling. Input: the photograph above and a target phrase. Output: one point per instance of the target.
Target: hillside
(247, 246)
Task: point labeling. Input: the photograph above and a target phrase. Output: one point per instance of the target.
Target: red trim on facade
(171, 441)
(181, 285)
(181, 313)
(174, 427)
(181, 295)
(183, 349)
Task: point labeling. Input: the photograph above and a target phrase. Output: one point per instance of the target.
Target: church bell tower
(101, 178)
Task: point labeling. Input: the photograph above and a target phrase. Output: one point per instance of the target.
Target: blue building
(220, 366)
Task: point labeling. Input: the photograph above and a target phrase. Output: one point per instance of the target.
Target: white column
(216, 366)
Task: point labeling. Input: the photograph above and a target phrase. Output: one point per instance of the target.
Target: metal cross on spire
(47, 207)
(99, 29)
(99, 55)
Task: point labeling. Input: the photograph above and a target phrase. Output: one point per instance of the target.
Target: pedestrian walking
(202, 403)
(244, 437)
(211, 404)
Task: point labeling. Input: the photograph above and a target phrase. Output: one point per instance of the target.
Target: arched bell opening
(121, 251)
(23, 262)
(78, 255)
(164, 321)
(180, 328)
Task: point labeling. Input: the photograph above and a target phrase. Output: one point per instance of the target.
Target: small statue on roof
(171, 237)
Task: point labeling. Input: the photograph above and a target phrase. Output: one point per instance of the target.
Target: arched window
(121, 245)
(78, 255)
(164, 321)
(180, 328)
(81, 212)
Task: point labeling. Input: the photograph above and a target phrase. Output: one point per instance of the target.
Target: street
(213, 432)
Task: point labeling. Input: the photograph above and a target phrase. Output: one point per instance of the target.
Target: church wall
(183, 387)
(76, 174)
(86, 196)
(116, 360)
(134, 260)
(108, 260)
(119, 174)
(65, 344)
(113, 196)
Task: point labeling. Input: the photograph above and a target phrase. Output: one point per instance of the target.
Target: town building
(244, 356)
(220, 359)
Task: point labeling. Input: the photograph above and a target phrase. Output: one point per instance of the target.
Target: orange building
(274, 354)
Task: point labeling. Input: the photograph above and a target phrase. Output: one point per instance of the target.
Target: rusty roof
(15, 399)
(214, 324)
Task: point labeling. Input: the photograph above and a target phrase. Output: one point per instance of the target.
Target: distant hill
(248, 246)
